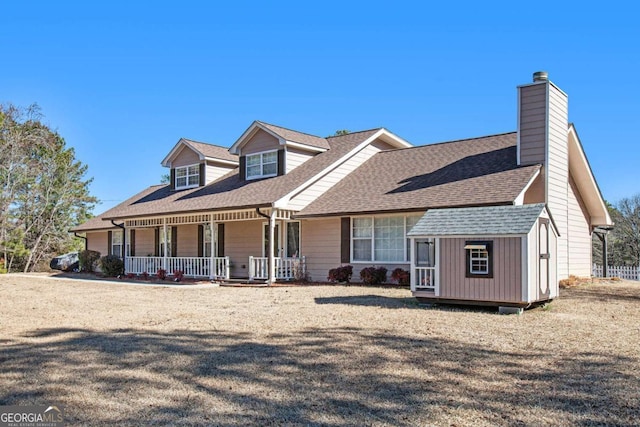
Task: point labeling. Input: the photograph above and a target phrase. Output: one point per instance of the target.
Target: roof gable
(204, 151)
(285, 137)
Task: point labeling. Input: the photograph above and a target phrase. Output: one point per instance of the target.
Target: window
(187, 177)
(262, 165)
(116, 243)
(162, 239)
(206, 240)
(293, 239)
(479, 259)
(382, 239)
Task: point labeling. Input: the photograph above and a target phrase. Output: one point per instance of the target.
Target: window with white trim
(381, 239)
(187, 177)
(262, 165)
(206, 240)
(479, 259)
(116, 243)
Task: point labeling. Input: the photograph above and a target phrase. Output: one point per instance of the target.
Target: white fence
(623, 272)
(190, 266)
(286, 268)
(425, 279)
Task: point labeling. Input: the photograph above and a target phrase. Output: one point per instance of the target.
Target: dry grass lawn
(319, 355)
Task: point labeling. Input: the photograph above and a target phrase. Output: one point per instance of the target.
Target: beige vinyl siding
(309, 194)
(215, 171)
(259, 142)
(295, 158)
(242, 239)
(535, 193)
(579, 230)
(558, 173)
(185, 157)
(506, 284)
(532, 126)
(320, 244)
(145, 242)
(188, 240)
(98, 241)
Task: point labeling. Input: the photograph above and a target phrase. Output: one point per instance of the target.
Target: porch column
(212, 261)
(271, 262)
(164, 244)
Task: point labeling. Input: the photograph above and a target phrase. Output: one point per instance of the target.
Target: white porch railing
(424, 279)
(626, 272)
(190, 266)
(286, 268)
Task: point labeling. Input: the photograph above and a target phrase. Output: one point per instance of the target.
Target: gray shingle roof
(470, 172)
(486, 220)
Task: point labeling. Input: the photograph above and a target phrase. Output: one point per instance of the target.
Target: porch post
(212, 261)
(412, 267)
(271, 262)
(164, 244)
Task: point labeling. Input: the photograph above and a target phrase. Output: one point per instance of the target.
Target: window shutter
(345, 240)
(174, 241)
(109, 242)
(172, 179)
(220, 240)
(281, 162)
(201, 240)
(132, 244)
(203, 169)
(156, 241)
(243, 168)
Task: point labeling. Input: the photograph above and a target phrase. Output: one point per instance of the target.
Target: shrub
(178, 275)
(340, 274)
(3, 266)
(162, 274)
(111, 265)
(401, 276)
(88, 260)
(145, 275)
(130, 276)
(373, 275)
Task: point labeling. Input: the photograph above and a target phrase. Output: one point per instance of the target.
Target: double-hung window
(262, 165)
(187, 177)
(381, 239)
(116, 243)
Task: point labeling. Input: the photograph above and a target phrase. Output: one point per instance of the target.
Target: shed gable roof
(476, 221)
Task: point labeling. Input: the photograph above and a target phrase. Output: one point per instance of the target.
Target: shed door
(543, 276)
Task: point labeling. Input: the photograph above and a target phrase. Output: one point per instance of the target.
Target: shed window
(187, 177)
(479, 259)
(262, 165)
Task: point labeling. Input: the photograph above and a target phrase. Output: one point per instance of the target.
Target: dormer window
(262, 165)
(187, 177)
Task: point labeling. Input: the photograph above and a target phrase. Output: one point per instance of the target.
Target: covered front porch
(251, 244)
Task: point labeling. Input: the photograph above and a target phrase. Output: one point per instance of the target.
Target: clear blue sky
(122, 81)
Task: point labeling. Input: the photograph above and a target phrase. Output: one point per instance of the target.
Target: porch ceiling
(199, 218)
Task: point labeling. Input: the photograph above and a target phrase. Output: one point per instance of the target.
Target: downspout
(269, 245)
(124, 244)
(86, 243)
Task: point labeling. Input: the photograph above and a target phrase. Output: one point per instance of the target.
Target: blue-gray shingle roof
(486, 220)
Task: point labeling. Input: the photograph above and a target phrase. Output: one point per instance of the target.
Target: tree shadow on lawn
(371, 301)
(315, 376)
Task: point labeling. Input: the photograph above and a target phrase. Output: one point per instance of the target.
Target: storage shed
(494, 255)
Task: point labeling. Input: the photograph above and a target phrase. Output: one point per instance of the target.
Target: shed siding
(145, 242)
(579, 246)
(532, 126)
(242, 239)
(188, 240)
(306, 196)
(506, 284)
(97, 241)
(295, 158)
(215, 171)
(320, 244)
(185, 157)
(259, 142)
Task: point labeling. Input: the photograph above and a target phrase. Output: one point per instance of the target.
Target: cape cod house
(497, 219)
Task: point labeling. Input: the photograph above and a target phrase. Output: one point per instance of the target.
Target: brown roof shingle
(471, 172)
(229, 191)
(213, 151)
(295, 136)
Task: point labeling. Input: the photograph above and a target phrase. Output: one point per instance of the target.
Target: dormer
(267, 150)
(195, 164)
